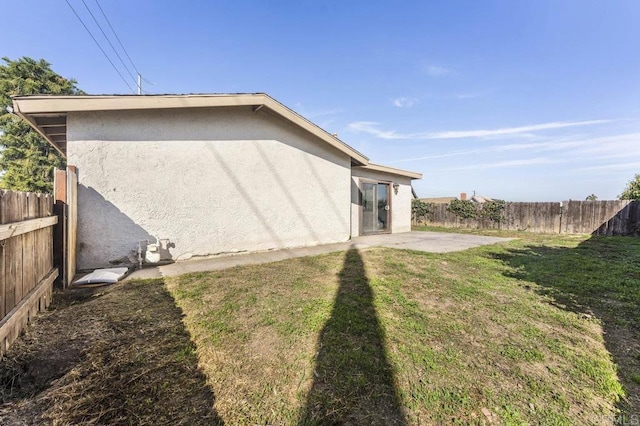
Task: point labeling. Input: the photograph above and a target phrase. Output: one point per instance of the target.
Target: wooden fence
(615, 217)
(27, 271)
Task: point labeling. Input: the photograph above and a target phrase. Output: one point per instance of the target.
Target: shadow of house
(625, 219)
(119, 355)
(598, 278)
(113, 235)
(353, 380)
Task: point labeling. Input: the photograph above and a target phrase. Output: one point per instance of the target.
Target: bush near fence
(613, 217)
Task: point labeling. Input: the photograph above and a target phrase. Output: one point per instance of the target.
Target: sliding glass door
(375, 208)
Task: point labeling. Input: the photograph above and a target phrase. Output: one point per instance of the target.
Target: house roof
(481, 199)
(48, 113)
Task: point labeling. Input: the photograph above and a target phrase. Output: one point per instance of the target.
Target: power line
(148, 81)
(117, 38)
(155, 84)
(99, 47)
(108, 41)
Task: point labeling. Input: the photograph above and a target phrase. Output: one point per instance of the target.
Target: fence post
(561, 212)
(60, 230)
(72, 223)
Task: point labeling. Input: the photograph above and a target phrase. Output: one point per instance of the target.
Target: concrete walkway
(433, 242)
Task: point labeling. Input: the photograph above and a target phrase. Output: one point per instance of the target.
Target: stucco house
(212, 174)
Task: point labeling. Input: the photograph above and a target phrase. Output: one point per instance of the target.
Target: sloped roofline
(47, 113)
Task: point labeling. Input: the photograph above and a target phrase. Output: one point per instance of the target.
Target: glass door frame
(389, 185)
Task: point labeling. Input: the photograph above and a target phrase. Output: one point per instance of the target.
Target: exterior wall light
(396, 186)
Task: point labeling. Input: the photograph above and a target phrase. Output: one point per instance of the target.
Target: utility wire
(117, 38)
(152, 83)
(148, 81)
(156, 84)
(108, 41)
(99, 47)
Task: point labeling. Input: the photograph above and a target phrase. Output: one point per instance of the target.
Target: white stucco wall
(400, 202)
(210, 180)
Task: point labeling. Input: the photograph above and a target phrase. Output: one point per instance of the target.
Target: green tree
(592, 197)
(26, 159)
(632, 191)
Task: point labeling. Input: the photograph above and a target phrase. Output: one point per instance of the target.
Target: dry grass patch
(111, 355)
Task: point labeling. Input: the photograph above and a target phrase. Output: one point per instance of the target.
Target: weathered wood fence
(614, 217)
(27, 271)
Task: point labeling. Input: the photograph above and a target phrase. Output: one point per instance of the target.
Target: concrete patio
(433, 242)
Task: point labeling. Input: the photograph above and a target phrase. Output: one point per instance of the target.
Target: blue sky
(519, 100)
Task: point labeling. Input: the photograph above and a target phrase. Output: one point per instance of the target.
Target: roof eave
(32, 122)
(392, 171)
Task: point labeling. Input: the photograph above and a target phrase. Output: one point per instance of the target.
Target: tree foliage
(592, 197)
(26, 159)
(632, 191)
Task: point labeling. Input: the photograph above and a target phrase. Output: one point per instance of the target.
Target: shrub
(463, 209)
(419, 209)
(493, 210)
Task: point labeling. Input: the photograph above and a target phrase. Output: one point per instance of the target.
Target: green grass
(515, 333)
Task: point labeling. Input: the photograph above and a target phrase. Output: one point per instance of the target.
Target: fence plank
(28, 249)
(42, 248)
(12, 213)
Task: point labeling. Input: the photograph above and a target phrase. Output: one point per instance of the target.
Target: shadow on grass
(600, 278)
(111, 355)
(353, 380)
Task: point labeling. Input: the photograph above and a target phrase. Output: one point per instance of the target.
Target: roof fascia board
(65, 104)
(296, 118)
(392, 171)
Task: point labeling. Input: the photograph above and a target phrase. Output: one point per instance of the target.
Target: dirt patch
(107, 355)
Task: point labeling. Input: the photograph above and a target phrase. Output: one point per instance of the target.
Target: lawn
(511, 333)
(540, 330)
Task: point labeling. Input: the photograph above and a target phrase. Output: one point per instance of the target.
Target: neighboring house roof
(480, 199)
(48, 113)
(438, 200)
